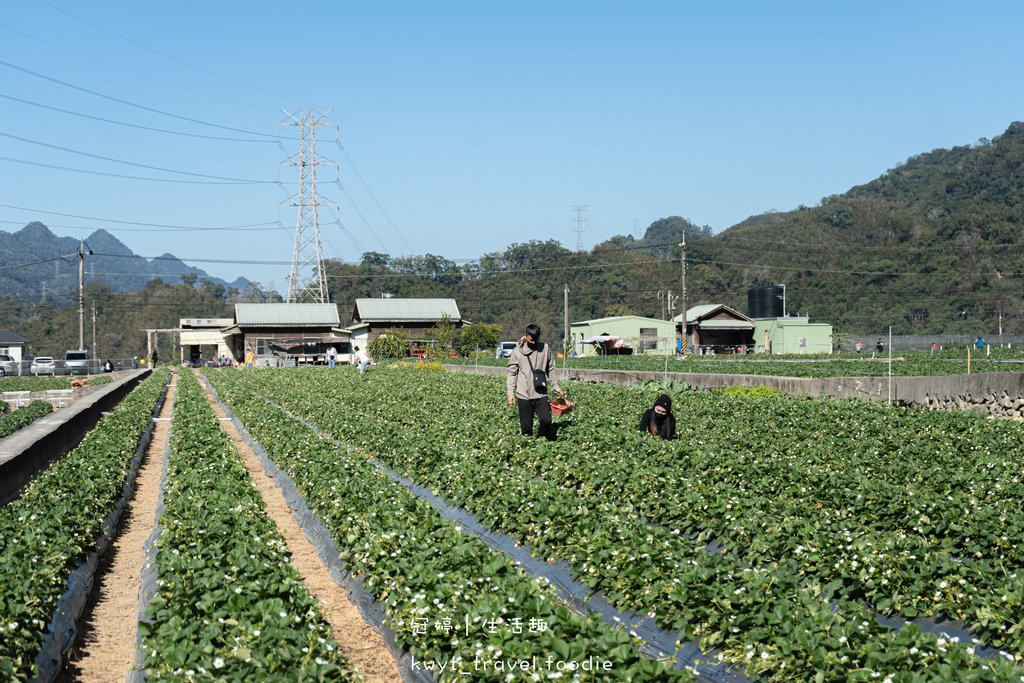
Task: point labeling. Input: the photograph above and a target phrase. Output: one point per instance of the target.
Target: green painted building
(791, 335)
(618, 333)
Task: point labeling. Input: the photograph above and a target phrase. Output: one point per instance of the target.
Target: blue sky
(476, 125)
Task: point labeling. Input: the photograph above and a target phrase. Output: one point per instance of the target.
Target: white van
(504, 349)
(76, 362)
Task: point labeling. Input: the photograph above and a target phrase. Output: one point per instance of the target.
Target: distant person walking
(531, 368)
(332, 357)
(154, 357)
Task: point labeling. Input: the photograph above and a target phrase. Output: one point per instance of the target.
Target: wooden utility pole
(567, 342)
(81, 296)
(94, 330)
(682, 281)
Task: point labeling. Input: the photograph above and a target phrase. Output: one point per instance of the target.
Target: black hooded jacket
(664, 424)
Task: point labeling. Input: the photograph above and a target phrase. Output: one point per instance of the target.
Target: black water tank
(765, 301)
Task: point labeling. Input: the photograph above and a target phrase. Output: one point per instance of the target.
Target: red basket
(561, 406)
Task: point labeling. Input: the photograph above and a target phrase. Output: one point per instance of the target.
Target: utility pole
(682, 281)
(94, 330)
(82, 251)
(567, 345)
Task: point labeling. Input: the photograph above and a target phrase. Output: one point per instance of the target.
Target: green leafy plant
(393, 344)
(22, 417)
(56, 522)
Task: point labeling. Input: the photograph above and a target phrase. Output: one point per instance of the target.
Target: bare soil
(105, 648)
(361, 644)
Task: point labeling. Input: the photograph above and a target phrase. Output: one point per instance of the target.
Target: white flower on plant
(218, 663)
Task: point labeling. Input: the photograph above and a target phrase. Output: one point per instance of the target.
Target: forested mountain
(37, 265)
(933, 246)
(121, 319)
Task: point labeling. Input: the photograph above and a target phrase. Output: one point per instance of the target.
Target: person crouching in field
(531, 368)
(659, 420)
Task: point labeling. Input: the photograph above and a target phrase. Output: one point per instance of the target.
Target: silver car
(8, 366)
(43, 365)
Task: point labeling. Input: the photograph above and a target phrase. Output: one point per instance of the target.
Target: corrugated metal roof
(11, 338)
(722, 324)
(406, 310)
(619, 318)
(281, 315)
(697, 312)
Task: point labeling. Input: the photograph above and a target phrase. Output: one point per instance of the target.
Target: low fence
(925, 342)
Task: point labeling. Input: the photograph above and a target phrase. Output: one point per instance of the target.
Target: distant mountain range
(37, 265)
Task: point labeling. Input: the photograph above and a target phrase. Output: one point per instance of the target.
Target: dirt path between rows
(361, 644)
(105, 648)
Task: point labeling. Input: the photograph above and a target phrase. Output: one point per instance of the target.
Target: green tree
(443, 332)
(394, 344)
(479, 336)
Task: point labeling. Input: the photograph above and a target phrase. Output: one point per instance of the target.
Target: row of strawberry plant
(228, 603)
(57, 522)
(910, 497)
(25, 383)
(922, 526)
(866, 536)
(430, 433)
(457, 606)
(23, 417)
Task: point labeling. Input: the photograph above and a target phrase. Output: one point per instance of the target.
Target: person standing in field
(531, 368)
(880, 346)
(154, 357)
(332, 357)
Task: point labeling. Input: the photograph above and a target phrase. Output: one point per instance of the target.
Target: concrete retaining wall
(995, 393)
(31, 450)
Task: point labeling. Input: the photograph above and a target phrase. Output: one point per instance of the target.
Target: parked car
(76, 362)
(505, 349)
(43, 365)
(8, 366)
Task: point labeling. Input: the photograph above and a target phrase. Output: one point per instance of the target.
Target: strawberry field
(794, 537)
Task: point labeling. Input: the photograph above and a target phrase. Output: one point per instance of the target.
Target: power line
(123, 222)
(130, 71)
(125, 176)
(182, 229)
(352, 137)
(129, 125)
(373, 196)
(164, 54)
(36, 74)
(133, 163)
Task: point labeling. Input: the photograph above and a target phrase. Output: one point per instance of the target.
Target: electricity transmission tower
(307, 282)
(580, 224)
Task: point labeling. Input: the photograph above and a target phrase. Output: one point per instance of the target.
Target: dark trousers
(528, 407)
